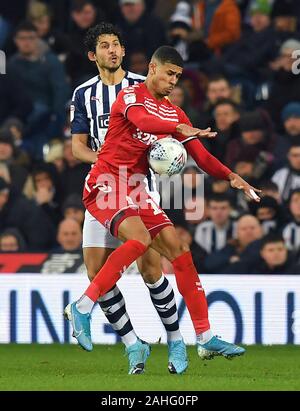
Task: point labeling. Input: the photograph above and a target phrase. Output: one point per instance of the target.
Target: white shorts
(96, 235)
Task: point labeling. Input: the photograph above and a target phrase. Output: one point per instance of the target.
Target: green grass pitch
(67, 367)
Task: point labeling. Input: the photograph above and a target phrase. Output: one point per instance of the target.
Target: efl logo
(2, 62)
(296, 64)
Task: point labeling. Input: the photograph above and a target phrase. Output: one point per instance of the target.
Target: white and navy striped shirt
(291, 235)
(90, 112)
(91, 106)
(212, 238)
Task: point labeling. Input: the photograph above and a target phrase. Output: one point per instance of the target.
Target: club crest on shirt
(129, 98)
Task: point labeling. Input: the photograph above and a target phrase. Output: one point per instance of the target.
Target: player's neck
(152, 91)
(111, 78)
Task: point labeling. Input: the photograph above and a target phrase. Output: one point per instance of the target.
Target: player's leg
(137, 239)
(163, 299)
(112, 303)
(167, 243)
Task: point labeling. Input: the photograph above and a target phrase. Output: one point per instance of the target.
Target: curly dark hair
(91, 38)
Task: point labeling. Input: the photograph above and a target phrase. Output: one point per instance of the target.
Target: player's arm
(212, 166)
(80, 130)
(80, 149)
(150, 123)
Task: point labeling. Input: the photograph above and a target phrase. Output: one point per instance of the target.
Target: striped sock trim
(163, 299)
(114, 308)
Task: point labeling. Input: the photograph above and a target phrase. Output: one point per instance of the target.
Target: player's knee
(142, 236)
(184, 247)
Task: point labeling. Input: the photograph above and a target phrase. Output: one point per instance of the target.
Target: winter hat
(261, 6)
(290, 110)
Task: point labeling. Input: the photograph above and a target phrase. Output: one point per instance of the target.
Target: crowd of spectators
(241, 78)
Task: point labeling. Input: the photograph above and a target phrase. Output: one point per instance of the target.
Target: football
(167, 156)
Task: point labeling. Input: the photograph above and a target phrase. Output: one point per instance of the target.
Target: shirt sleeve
(206, 161)
(78, 114)
(126, 98)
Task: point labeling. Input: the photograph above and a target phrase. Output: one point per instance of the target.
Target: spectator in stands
(140, 29)
(84, 16)
(226, 115)
(55, 155)
(179, 97)
(73, 208)
(269, 188)
(47, 191)
(256, 47)
(40, 15)
(290, 117)
(214, 233)
(11, 240)
(269, 213)
(69, 236)
(218, 88)
(14, 100)
(237, 256)
(44, 79)
(288, 178)
(220, 23)
(74, 171)
(275, 258)
(16, 211)
(16, 129)
(291, 232)
(285, 14)
(285, 86)
(180, 36)
(18, 174)
(194, 211)
(138, 62)
(251, 154)
(197, 251)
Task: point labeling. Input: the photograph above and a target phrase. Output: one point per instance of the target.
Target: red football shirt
(125, 144)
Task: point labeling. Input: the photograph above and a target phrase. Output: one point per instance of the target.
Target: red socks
(115, 265)
(189, 286)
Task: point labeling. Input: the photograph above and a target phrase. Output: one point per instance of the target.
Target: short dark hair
(78, 5)
(219, 198)
(168, 54)
(217, 77)
(271, 238)
(268, 185)
(91, 38)
(227, 101)
(25, 26)
(293, 192)
(295, 144)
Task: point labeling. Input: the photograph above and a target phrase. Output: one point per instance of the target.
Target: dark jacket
(289, 267)
(219, 261)
(14, 100)
(32, 222)
(148, 33)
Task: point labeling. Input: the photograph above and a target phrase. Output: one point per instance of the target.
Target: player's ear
(92, 56)
(123, 51)
(152, 67)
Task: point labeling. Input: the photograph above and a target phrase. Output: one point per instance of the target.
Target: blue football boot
(178, 361)
(137, 355)
(81, 326)
(216, 346)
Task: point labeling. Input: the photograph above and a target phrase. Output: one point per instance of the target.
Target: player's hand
(238, 182)
(189, 131)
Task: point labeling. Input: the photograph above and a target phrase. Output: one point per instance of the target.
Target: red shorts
(111, 202)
